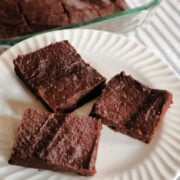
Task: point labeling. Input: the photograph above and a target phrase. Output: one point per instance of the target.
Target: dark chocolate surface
(12, 21)
(10, 13)
(57, 142)
(46, 13)
(127, 106)
(59, 77)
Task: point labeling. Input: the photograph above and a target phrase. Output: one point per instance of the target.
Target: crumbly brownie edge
(93, 93)
(167, 103)
(92, 170)
(147, 139)
(95, 150)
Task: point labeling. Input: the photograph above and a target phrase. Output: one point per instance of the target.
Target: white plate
(119, 157)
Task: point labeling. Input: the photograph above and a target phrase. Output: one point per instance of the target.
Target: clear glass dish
(138, 12)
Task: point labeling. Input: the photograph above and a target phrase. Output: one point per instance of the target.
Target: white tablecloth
(162, 33)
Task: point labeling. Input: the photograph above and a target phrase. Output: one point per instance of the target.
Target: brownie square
(127, 106)
(59, 76)
(57, 142)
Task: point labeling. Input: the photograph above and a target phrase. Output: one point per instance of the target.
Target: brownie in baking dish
(59, 142)
(128, 106)
(21, 17)
(59, 77)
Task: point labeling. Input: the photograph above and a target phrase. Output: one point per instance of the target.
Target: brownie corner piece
(59, 77)
(59, 142)
(129, 107)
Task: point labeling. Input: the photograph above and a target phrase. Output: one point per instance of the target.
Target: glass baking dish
(137, 13)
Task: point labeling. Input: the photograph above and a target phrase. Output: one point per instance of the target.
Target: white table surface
(162, 33)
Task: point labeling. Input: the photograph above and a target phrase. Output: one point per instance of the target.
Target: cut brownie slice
(59, 77)
(57, 142)
(128, 106)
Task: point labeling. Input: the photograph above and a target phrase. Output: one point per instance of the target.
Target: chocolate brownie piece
(57, 142)
(59, 77)
(128, 106)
